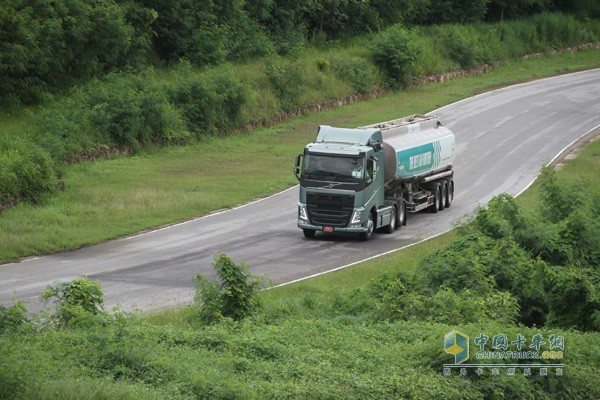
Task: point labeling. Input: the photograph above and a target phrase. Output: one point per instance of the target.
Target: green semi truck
(368, 178)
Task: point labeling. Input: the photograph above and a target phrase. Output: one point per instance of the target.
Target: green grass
(125, 195)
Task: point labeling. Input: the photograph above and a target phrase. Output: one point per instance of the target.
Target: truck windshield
(333, 167)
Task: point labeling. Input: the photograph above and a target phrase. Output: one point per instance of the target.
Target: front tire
(392, 226)
(364, 236)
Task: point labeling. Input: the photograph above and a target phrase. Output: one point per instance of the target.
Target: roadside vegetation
(373, 330)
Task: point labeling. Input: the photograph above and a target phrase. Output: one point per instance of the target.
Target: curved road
(503, 139)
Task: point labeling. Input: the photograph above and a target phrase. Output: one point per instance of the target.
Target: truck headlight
(356, 216)
(302, 212)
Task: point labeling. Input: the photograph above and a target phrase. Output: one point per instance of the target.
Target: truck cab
(341, 178)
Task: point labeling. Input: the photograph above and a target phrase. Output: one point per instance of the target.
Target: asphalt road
(503, 139)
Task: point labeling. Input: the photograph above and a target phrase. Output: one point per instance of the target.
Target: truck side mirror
(376, 145)
(298, 165)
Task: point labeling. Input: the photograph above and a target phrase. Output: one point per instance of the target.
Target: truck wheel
(401, 215)
(444, 188)
(437, 197)
(370, 228)
(449, 193)
(309, 233)
(392, 226)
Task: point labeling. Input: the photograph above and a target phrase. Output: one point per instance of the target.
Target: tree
(460, 11)
(501, 9)
(46, 45)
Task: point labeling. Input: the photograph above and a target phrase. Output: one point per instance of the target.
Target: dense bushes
(286, 77)
(403, 54)
(509, 265)
(357, 71)
(48, 45)
(209, 102)
(130, 111)
(207, 32)
(119, 111)
(26, 171)
(394, 54)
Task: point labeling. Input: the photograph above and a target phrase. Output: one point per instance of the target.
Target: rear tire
(309, 233)
(444, 194)
(437, 197)
(401, 215)
(449, 194)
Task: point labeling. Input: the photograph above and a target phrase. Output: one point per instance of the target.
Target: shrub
(574, 298)
(232, 96)
(13, 316)
(357, 71)
(549, 266)
(402, 298)
(286, 77)
(394, 53)
(497, 271)
(121, 110)
(235, 296)
(503, 218)
(509, 265)
(557, 201)
(75, 300)
(132, 110)
(26, 171)
(459, 48)
(208, 103)
(574, 218)
(195, 99)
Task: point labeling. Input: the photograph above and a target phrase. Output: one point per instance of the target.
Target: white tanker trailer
(359, 180)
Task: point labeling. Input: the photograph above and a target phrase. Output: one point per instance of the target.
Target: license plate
(328, 229)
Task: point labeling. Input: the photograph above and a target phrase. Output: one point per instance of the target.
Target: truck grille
(329, 210)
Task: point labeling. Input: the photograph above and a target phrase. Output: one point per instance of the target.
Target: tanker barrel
(417, 149)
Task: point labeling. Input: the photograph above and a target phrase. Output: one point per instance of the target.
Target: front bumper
(353, 228)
